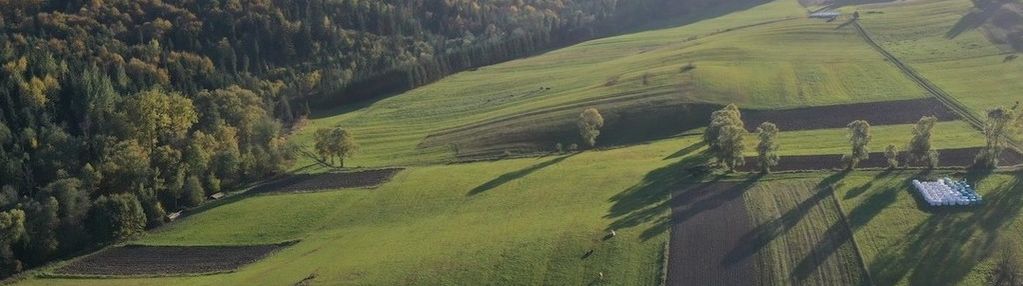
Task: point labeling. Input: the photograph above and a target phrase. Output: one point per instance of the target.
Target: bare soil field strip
(837, 116)
(140, 260)
(327, 181)
(947, 158)
(708, 221)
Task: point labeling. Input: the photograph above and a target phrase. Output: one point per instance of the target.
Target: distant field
(781, 64)
(943, 44)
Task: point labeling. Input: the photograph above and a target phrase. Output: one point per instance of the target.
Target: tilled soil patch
(327, 181)
(140, 260)
(837, 116)
(708, 222)
(947, 158)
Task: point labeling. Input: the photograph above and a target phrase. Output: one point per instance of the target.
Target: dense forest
(115, 112)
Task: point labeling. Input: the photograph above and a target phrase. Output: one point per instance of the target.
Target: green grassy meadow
(791, 63)
(799, 237)
(904, 243)
(511, 222)
(529, 221)
(943, 44)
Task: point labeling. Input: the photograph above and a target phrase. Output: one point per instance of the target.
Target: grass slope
(946, 45)
(793, 63)
(512, 222)
(530, 221)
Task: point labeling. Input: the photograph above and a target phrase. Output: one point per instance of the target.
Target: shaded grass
(799, 238)
(904, 242)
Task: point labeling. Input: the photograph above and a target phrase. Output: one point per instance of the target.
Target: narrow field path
(934, 90)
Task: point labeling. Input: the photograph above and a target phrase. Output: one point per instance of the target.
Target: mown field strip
(799, 235)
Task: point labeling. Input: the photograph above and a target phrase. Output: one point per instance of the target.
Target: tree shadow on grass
(857, 191)
(649, 201)
(688, 150)
(840, 233)
(943, 249)
(975, 18)
(946, 247)
(503, 179)
(670, 195)
(758, 238)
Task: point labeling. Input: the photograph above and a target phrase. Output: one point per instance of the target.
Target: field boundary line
(666, 252)
(935, 91)
(852, 237)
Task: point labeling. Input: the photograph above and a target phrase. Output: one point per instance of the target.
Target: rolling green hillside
(542, 219)
(785, 63)
(945, 43)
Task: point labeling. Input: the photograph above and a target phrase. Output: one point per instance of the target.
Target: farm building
(825, 15)
(947, 192)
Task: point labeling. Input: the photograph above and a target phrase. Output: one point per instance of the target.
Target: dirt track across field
(139, 260)
(327, 181)
(947, 158)
(708, 222)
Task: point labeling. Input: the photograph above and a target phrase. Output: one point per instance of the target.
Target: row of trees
(726, 133)
(725, 138)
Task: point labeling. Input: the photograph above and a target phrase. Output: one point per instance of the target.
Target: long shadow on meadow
(676, 186)
(943, 249)
(946, 247)
(841, 232)
(515, 175)
(649, 201)
(974, 19)
(758, 238)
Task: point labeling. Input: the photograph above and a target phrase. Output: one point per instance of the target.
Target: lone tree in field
(590, 122)
(891, 153)
(767, 149)
(335, 143)
(725, 135)
(859, 137)
(996, 132)
(920, 146)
